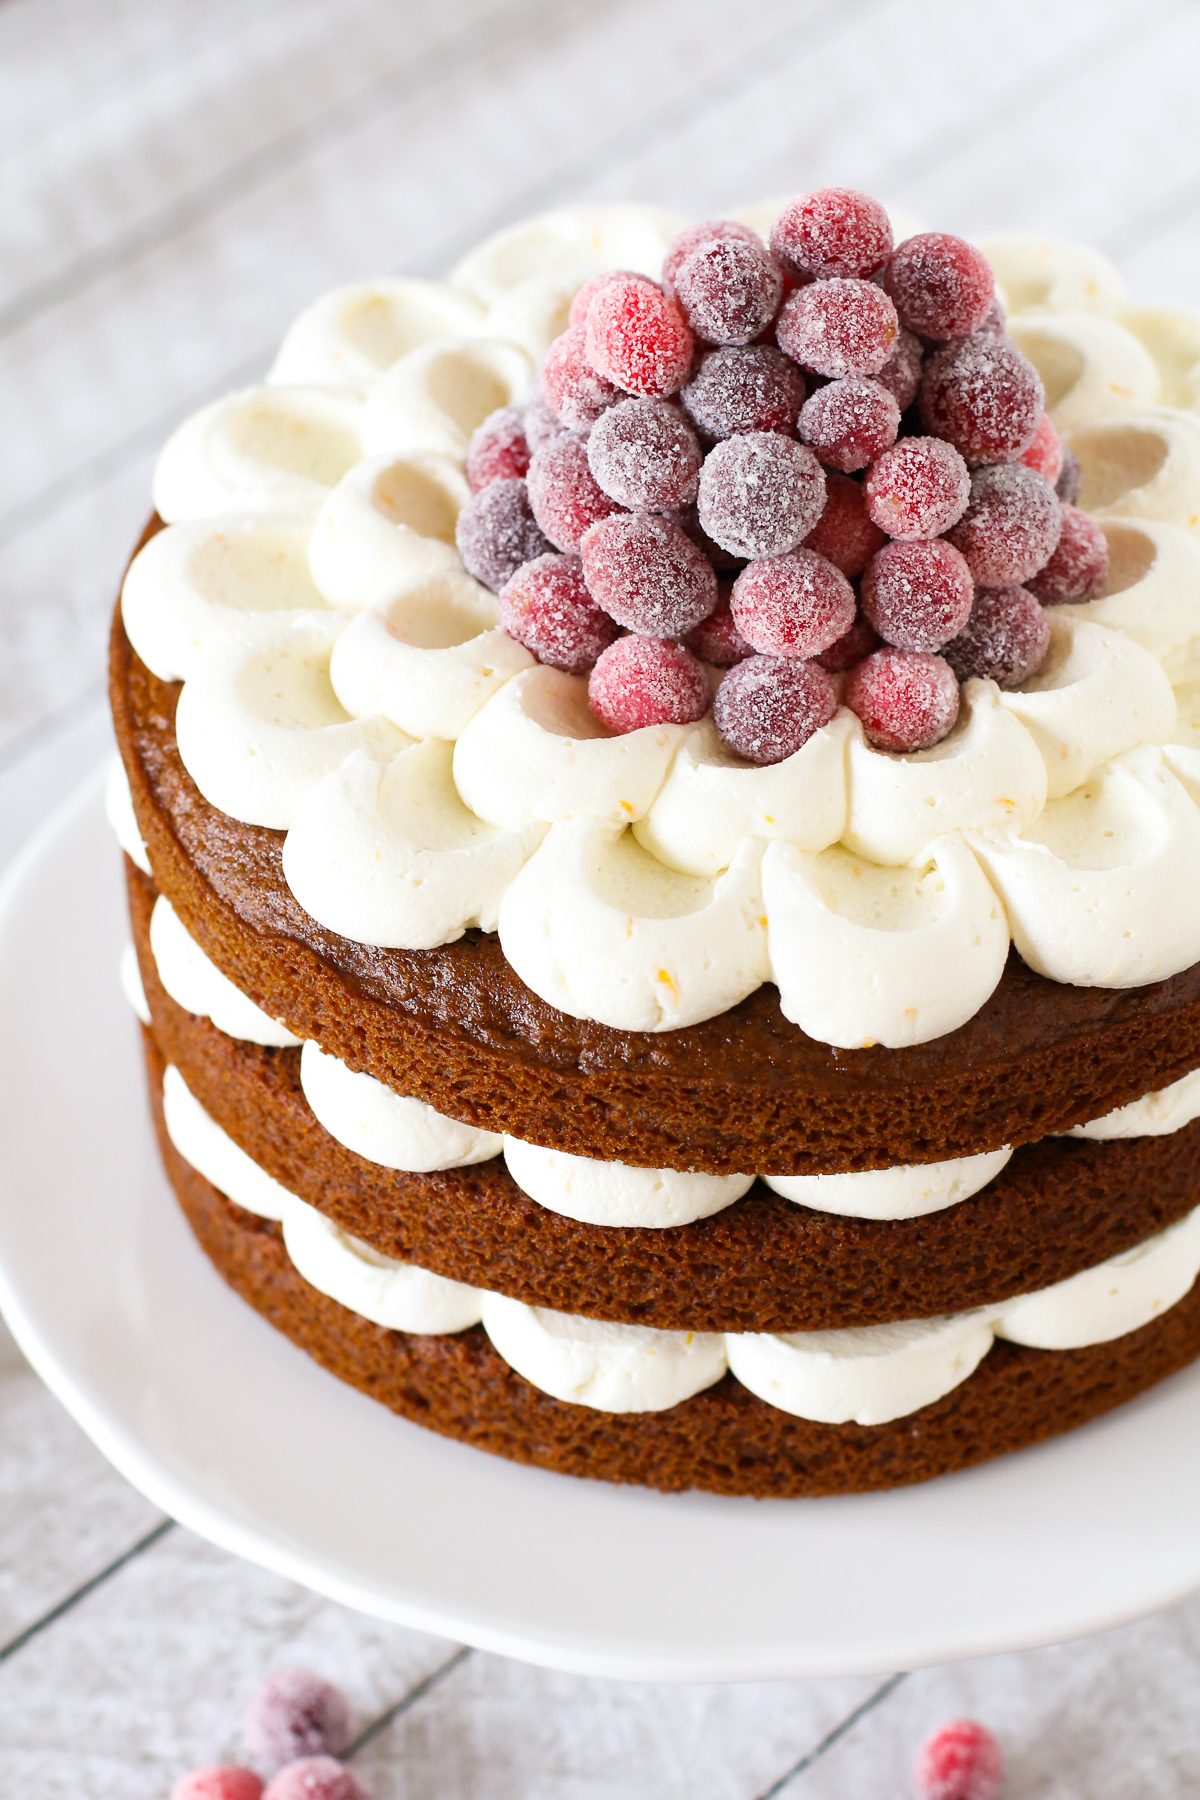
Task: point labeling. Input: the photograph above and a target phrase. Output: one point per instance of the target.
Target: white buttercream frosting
(388, 522)
(391, 1129)
(348, 338)
(130, 977)
(1172, 336)
(1091, 367)
(261, 450)
(1053, 275)
(435, 397)
(399, 1296)
(212, 1152)
(118, 808)
(1115, 1297)
(1154, 1115)
(572, 243)
(614, 1193)
(1153, 588)
(1142, 465)
(907, 1191)
(194, 982)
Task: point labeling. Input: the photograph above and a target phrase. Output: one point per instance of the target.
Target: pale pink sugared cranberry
(639, 337)
(961, 1761)
(901, 373)
(546, 606)
(571, 388)
(1045, 454)
(647, 574)
(646, 456)
(768, 707)
(730, 291)
(794, 605)
(917, 595)
(541, 425)
(760, 493)
(295, 1713)
(1070, 478)
(982, 396)
(918, 488)
(1078, 568)
(1005, 639)
(223, 1781)
(1011, 525)
(838, 327)
(641, 681)
(564, 494)
(905, 699)
(754, 387)
(696, 237)
(942, 286)
(845, 531)
(496, 532)
(316, 1778)
(499, 450)
(850, 422)
(832, 231)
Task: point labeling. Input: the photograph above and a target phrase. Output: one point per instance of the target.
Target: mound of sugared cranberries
(1006, 638)
(1010, 527)
(832, 231)
(1078, 568)
(647, 574)
(717, 640)
(901, 373)
(730, 291)
(982, 396)
(571, 388)
(639, 337)
(1070, 478)
(1045, 454)
(760, 493)
(696, 237)
(646, 456)
(223, 1781)
(750, 388)
(905, 699)
(838, 327)
(496, 531)
(541, 425)
(316, 1778)
(591, 287)
(498, 450)
(296, 1713)
(849, 649)
(917, 595)
(850, 422)
(546, 606)
(641, 681)
(961, 1761)
(917, 489)
(943, 287)
(845, 531)
(564, 494)
(768, 707)
(795, 605)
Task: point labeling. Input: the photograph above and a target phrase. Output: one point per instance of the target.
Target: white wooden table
(179, 177)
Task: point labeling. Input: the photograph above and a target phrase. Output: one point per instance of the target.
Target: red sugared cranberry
(1070, 479)
(646, 456)
(751, 388)
(901, 373)
(688, 519)
(917, 595)
(850, 422)
(316, 1778)
(639, 337)
(498, 450)
(1078, 568)
(696, 237)
(564, 494)
(794, 605)
(760, 493)
(961, 1761)
(647, 574)
(591, 287)
(907, 700)
(570, 386)
(768, 707)
(1045, 454)
(497, 532)
(717, 640)
(730, 291)
(849, 649)
(983, 396)
(845, 532)
(541, 424)
(1006, 637)
(832, 231)
(1011, 524)
(296, 1713)
(943, 287)
(223, 1781)
(642, 681)
(918, 489)
(546, 606)
(838, 327)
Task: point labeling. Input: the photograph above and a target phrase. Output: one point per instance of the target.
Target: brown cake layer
(724, 1440)
(764, 1264)
(458, 1028)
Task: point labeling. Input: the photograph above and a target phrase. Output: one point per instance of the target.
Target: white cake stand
(223, 1423)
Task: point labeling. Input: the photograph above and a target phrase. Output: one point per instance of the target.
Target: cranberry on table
(845, 531)
(850, 648)
(917, 595)
(1078, 568)
(499, 450)
(983, 396)
(906, 700)
(717, 640)
(1011, 524)
(571, 388)
(639, 337)
(645, 455)
(850, 422)
(832, 231)
(760, 493)
(584, 295)
(1070, 478)
(961, 1761)
(901, 373)
(640, 681)
(943, 287)
(1045, 454)
(647, 574)
(1005, 639)
(838, 327)
(738, 388)
(496, 532)
(546, 606)
(564, 494)
(316, 1778)
(223, 1781)
(296, 1712)
(730, 291)
(795, 605)
(917, 489)
(696, 237)
(768, 707)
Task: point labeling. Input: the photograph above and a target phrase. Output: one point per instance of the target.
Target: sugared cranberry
(541, 425)
(845, 532)
(639, 337)
(751, 388)
(832, 231)
(223, 1781)
(564, 494)
(641, 681)
(918, 489)
(838, 327)
(688, 519)
(1070, 478)
(983, 396)
(794, 605)
(943, 287)
(849, 649)
(696, 237)
(850, 422)
(730, 291)
(296, 1713)
(498, 450)
(717, 640)
(760, 493)
(907, 700)
(1006, 637)
(570, 386)
(996, 323)
(1045, 454)
(768, 707)
(1011, 524)
(961, 1761)
(546, 606)
(316, 1778)
(591, 287)
(497, 532)
(647, 574)
(901, 373)
(917, 595)
(1078, 568)
(645, 455)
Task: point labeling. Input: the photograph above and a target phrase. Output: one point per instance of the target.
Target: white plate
(222, 1423)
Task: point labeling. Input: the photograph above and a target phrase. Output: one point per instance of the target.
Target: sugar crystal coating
(1045, 453)
(541, 424)
(961, 1761)
(917, 489)
(1005, 639)
(832, 231)
(917, 595)
(546, 606)
(645, 455)
(850, 422)
(906, 700)
(851, 647)
(760, 493)
(584, 295)
(794, 605)
(1078, 568)
(730, 291)
(695, 237)
(570, 386)
(496, 532)
(845, 531)
(498, 450)
(1070, 478)
(838, 327)
(316, 1778)
(717, 640)
(901, 373)
(754, 387)
(1011, 524)
(943, 287)
(983, 396)
(647, 574)
(767, 707)
(296, 1712)
(640, 681)
(564, 494)
(222, 1781)
(639, 337)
